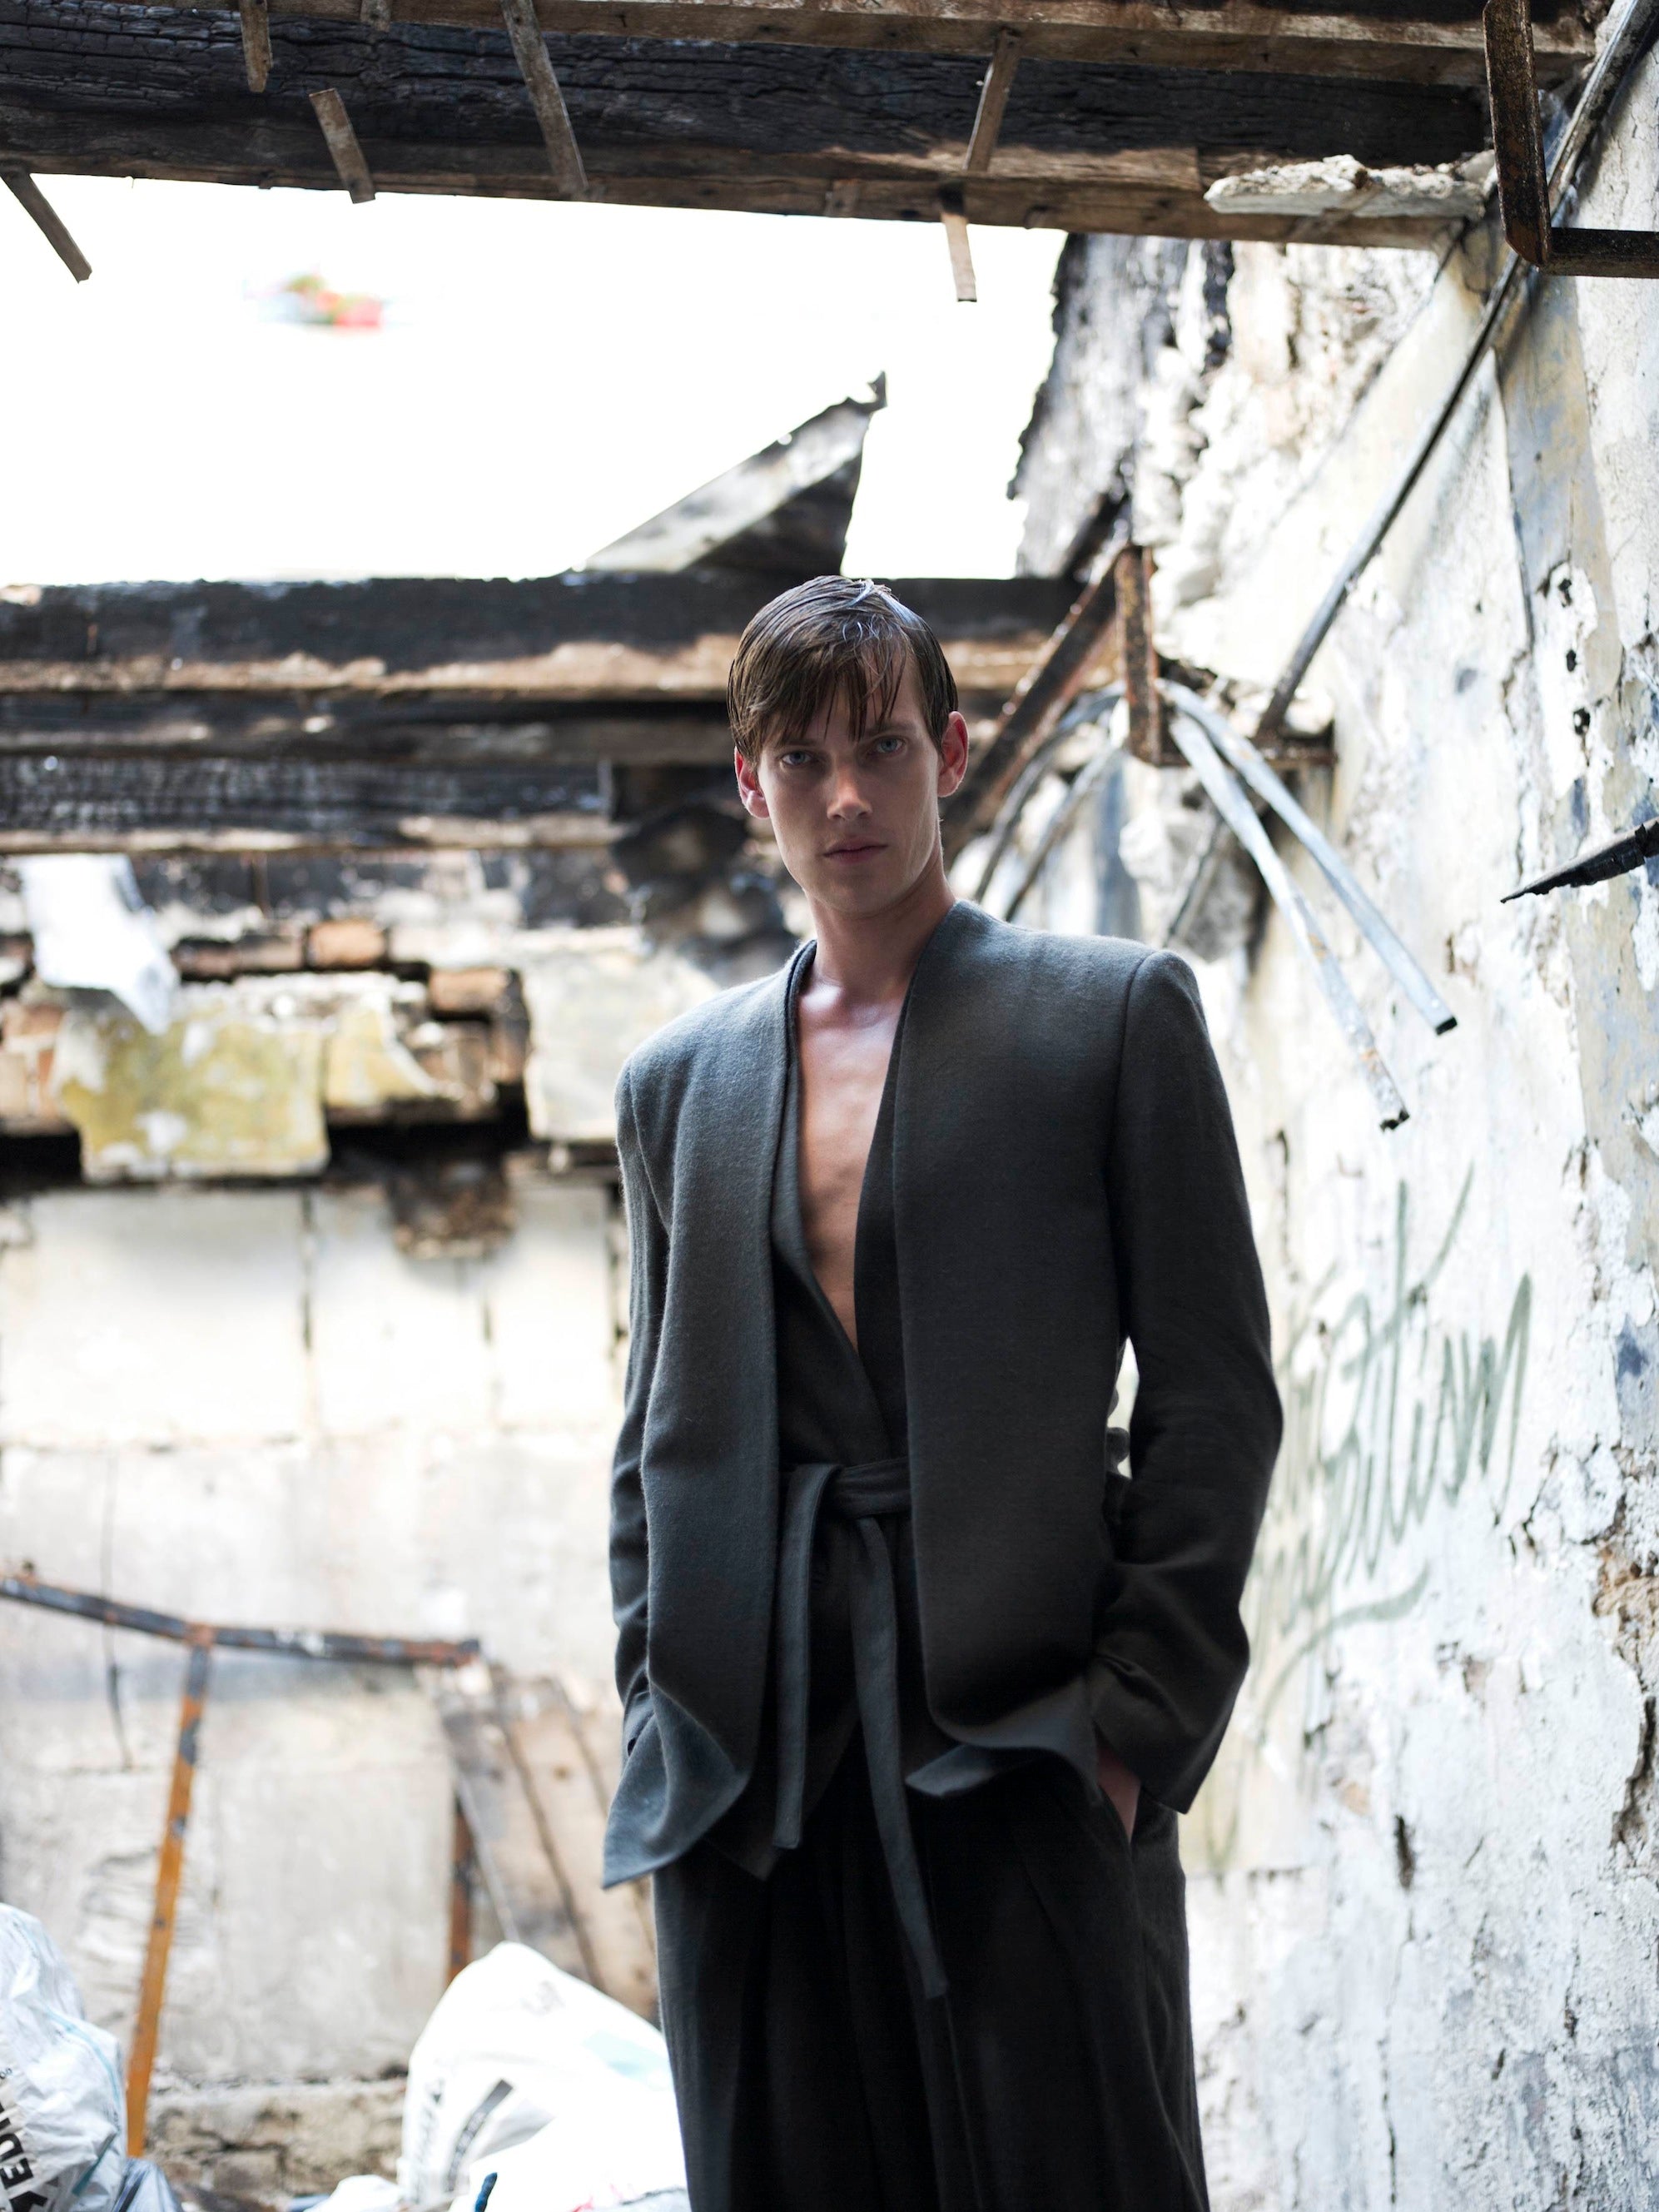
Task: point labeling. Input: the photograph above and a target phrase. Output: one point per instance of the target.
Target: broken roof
(1121, 114)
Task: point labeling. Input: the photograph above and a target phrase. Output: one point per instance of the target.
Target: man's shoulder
(732, 1025)
(1064, 965)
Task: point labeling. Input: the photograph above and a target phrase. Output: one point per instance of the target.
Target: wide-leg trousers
(1056, 2074)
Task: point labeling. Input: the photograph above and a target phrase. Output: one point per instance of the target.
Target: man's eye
(890, 744)
(793, 759)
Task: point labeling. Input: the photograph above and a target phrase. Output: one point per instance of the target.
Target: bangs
(834, 643)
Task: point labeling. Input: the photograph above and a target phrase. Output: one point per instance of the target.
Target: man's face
(856, 814)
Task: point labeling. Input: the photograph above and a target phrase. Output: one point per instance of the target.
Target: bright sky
(548, 376)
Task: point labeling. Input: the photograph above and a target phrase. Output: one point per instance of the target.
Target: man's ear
(749, 788)
(952, 755)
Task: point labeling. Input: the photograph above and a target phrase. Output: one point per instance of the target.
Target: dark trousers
(1056, 2075)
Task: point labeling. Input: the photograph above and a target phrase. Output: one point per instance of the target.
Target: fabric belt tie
(861, 1496)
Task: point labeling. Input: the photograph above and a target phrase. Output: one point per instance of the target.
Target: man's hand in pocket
(1119, 1784)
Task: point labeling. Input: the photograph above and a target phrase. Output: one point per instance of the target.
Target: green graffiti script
(1389, 1410)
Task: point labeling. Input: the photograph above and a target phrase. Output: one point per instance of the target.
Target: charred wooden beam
(106, 88)
(405, 650)
(1431, 43)
(300, 726)
(88, 803)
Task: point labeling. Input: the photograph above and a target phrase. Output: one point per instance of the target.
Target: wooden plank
(962, 255)
(563, 153)
(1429, 44)
(189, 153)
(993, 102)
(255, 20)
(526, 1888)
(51, 224)
(67, 803)
(341, 142)
(1138, 657)
(575, 1801)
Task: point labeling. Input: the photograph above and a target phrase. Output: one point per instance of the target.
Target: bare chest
(843, 1074)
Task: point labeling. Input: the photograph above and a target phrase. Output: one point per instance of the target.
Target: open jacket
(1066, 1177)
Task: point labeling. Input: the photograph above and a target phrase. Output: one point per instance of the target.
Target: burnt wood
(1438, 42)
(410, 624)
(74, 803)
(100, 87)
(451, 731)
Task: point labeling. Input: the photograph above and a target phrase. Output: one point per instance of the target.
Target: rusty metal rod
(1603, 862)
(280, 1643)
(1241, 756)
(169, 1870)
(1630, 30)
(1232, 802)
(1523, 192)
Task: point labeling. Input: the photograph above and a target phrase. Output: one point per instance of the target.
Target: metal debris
(1617, 859)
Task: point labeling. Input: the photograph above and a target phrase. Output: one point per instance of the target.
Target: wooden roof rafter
(1121, 114)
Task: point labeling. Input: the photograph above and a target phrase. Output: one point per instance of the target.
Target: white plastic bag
(561, 2093)
(62, 2114)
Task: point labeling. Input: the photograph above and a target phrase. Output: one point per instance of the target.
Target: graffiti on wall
(1395, 1408)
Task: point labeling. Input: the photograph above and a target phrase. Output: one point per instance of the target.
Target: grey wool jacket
(1066, 1177)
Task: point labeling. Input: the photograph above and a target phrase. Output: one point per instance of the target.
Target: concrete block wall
(247, 1404)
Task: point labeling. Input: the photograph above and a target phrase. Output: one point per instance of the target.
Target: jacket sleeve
(1171, 1646)
(647, 1244)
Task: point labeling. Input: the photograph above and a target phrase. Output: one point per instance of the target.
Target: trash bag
(562, 2093)
(63, 2112)
(144, 2188)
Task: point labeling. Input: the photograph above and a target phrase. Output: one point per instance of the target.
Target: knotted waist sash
(862, 1497)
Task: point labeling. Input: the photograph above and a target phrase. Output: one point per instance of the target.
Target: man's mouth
(858, 849)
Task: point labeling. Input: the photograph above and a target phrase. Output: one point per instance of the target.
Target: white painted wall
(246, 1405)
(1424, 1915)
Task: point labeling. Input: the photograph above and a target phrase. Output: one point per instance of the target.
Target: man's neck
(870, 959)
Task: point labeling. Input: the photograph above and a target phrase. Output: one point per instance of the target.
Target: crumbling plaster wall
(1422, 1894)
(245, 1404)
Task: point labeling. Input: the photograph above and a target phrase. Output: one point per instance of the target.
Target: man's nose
(847, 796)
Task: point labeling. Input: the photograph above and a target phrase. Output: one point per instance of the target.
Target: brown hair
(839, 638)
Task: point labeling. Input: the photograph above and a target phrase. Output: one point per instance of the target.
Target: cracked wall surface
(1424, 1921)
(248, 1405)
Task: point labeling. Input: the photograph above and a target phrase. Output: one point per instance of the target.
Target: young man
(915, 1680)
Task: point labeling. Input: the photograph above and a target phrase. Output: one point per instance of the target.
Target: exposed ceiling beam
(108, 89)
(431, 647)
(1433, 45)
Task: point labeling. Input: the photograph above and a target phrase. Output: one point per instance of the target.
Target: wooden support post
(463, 1865)
(954, 217)
(564, 156)
(993, 102)
(256, 42)
(152, 1988)
(342, 139)
(29, 195)
(1139, 656)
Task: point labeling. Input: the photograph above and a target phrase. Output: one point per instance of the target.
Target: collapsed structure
(309, 1297)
